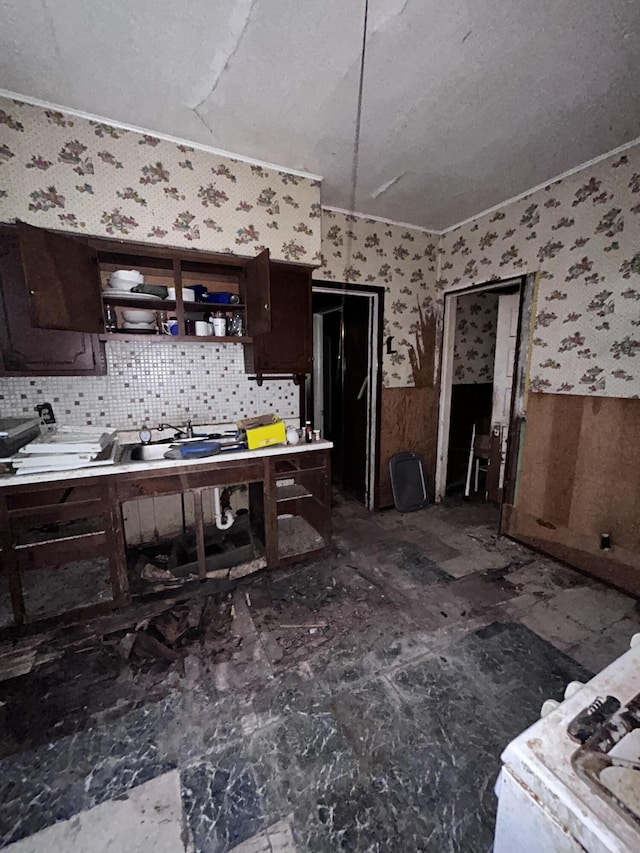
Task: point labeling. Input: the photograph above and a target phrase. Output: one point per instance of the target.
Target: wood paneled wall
(580, 477)
(409, 421)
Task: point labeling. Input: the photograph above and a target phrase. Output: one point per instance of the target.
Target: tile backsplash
(151, 382)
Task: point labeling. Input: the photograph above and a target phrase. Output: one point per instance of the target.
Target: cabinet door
(62, 281)
(256, 294)
(29, 351)
(287, 348)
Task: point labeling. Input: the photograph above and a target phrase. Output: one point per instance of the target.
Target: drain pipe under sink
(223, 520)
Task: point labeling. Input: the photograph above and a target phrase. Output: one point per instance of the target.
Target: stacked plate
(139, 320)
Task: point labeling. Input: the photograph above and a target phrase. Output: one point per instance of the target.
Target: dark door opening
(481, 391)
(344, 401)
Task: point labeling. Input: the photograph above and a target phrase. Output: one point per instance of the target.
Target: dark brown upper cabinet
(62, 281)
(64, 286)
(29, 351)
(256, 294)
(287, 347)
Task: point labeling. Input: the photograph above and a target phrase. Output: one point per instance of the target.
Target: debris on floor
(333, 692)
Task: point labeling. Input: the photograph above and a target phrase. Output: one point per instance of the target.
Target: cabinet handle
(32, 293)
(266, 306)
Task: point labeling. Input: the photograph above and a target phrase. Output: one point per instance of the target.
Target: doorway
(484, 357)
(346, 380)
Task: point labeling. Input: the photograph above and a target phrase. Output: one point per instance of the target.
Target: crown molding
(560, 177)
(209, 149)
(381, 219)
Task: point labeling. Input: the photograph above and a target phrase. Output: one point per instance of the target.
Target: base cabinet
(65, 549)
(71, 530)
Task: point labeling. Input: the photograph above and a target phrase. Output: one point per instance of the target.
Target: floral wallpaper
(403, 260)
(583, 236)
(475, 341)
(63, 172)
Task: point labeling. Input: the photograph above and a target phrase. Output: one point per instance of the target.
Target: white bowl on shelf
(139, 315)
(187, 295)
(125, 279)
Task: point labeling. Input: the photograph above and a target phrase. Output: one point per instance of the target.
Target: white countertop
(164, 465)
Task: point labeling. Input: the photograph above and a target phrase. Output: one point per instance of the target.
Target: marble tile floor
(364, 707)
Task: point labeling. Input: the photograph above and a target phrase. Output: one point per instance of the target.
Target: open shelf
(297, 537)
(291, 492)
(191, 339)
(148, 304)
(169, 305)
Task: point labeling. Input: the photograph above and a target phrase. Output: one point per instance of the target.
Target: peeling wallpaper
(403, 260)
(63, 172)
(475, 341)
(583, 236)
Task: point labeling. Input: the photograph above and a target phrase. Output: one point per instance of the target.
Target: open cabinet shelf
(291, 492)
(125, 337)
(110, 298)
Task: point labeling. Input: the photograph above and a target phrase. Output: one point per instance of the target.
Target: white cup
(170, 327)
(202, 329)
(219, 327)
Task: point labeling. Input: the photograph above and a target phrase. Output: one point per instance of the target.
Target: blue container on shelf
(218, 298)
(200, 291)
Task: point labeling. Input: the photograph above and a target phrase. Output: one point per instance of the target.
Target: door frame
(374, 409)
(527, 285)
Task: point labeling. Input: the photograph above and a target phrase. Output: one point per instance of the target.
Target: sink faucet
(181, 432)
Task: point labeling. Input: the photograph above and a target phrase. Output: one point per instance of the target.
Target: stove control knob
(548, 706)
(572, 688)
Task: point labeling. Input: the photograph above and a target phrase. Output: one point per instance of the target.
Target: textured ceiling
(465, 104)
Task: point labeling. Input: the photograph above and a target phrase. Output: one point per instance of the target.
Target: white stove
(572, 780)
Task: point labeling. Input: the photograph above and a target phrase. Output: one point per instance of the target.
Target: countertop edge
(164, 466)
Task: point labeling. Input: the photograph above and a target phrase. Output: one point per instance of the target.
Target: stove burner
(609, 758)
(586, 723)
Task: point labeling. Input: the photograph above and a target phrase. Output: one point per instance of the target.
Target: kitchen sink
(144, 452)
(156, 452)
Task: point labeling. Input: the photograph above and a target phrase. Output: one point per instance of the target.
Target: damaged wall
(580, 479)
(403, 260)
(580, 465)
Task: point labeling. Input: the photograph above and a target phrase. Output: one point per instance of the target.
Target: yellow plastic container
(265, 435)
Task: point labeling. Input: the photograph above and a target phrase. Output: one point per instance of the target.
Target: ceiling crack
(387, 15)
(227, 61)
(50, 23)
(387, 185)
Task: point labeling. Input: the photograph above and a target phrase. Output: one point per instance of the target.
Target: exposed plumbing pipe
(223, 520)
